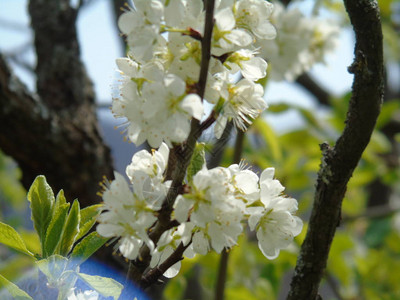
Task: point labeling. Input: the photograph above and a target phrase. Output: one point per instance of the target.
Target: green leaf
(108, 287)
(13, 289)
(88, 218)
(55, 229)
(71, 230)
(42, 200)
(60, 199)
(85, 248)
(278, 108)
(197, 162)
(11, 238)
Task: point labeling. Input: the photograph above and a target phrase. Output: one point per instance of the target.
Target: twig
(153, 275)
(321, 95)
(339, 162)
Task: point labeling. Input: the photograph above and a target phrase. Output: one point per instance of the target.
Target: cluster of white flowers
(158, 92)
(128, 214)
(159, 98)
(211, 212)
(301, 42)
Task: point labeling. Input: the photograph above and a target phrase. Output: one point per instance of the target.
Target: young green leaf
(55, 229)
(13, 289)
(108, 287)
(60, 198)
(41, 197)
(11, 238)
(88, 218)
(85, 248)
(71, 230)
(197, 162)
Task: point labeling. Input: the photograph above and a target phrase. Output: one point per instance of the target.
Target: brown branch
(339, 162)
(321, 95)
(154, 274)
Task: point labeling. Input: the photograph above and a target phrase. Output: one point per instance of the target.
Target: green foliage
(13, 289)
(58, 226)
(71, 229)
(11, 238)
(88, 217)
(55, 229)
(41, 198)
(88, 246)
(105, 286)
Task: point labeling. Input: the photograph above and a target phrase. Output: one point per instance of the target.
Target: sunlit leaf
(88, 219)
(71, 230)
(108, 287)
(55, 229)
(11, 238)
(41, 197)
(85, 248)
(13, 289)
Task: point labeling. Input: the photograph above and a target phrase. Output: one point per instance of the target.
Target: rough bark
(55, 132)
(338, 162)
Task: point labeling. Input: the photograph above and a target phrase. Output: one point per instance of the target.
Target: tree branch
(339, 162)
(321, 95)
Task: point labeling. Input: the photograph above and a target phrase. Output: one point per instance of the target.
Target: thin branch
(219, 147)
(339, 162)
(321, 95)
(152, 276)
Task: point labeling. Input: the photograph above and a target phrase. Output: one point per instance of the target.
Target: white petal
(220, 126)
(225, 20)
(173, 271)
(200, 243)
(192, 105)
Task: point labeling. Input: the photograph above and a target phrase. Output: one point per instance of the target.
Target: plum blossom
(274, 221)
(128, 214)
(214, 212)
(244, 101)
(301, 42)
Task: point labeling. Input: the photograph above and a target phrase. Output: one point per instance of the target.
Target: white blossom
(126, 215)
(213, 210)
(274, 221)
(301, 42)
(254, 15)
(244, 102)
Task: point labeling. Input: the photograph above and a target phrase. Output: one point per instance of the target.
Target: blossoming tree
(191, 66)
